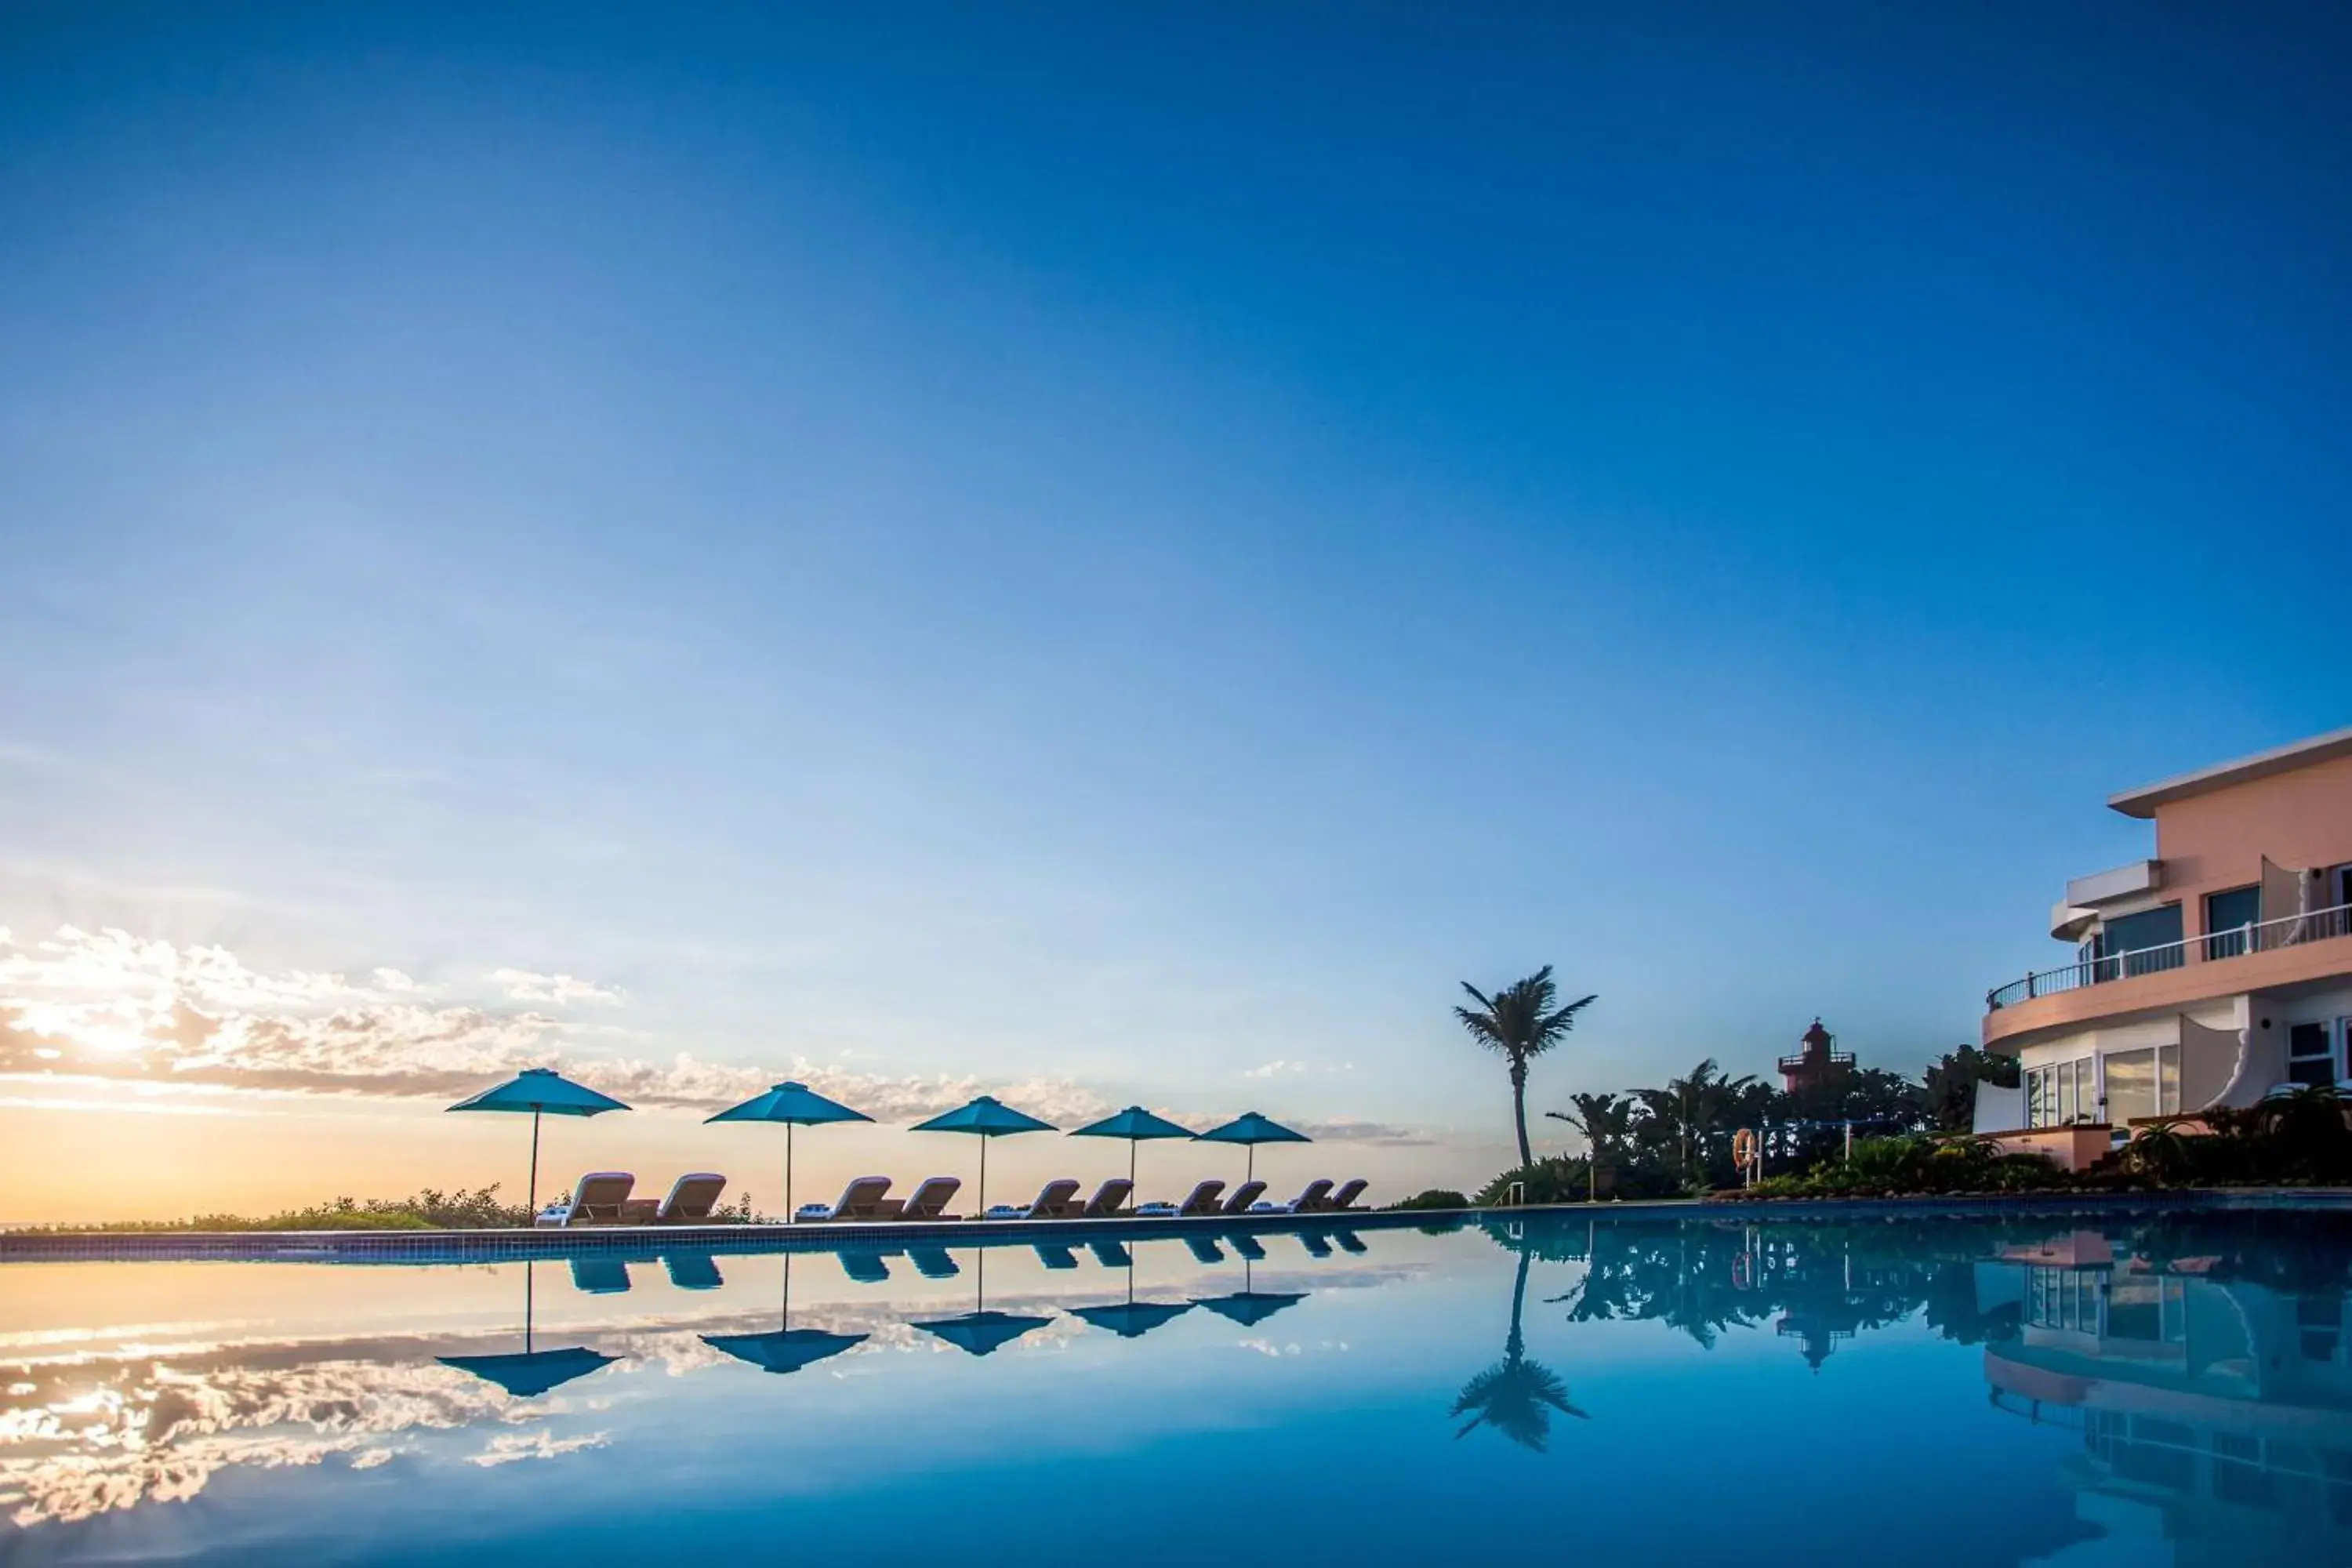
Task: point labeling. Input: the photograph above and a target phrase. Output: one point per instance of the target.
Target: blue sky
(1119, 549)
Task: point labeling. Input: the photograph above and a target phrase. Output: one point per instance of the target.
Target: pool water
(2117, 1391)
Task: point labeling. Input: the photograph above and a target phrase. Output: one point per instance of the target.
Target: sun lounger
(1248, 1246)
(867, 1267)
(1350, 1241)
(862, 1199)
(597, 1200)
(1309, 1201)
(1109, 1199)
(1048, 1205)
(933, 1262)
(931, 1199)
(1110, 1253)
(604, 1276)
(1314, 1245)
(691, 1199)
(1243, 1195)
(693, 1270)
(1054, 1255)
(1205, 1247)
(1202, 1201)
(1345, 1198)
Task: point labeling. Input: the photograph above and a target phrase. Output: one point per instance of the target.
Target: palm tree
(1607, 1121)
(1516, 1396)
(1519, 1023)
(1696, 1107)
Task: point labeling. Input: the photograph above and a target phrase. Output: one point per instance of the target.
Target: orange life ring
(1745, 1146)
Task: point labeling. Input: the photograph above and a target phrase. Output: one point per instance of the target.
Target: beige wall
(2212, 842)
(2069, 1148)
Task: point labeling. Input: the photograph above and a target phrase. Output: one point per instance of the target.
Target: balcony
(1804, 1059)
(2270, 936)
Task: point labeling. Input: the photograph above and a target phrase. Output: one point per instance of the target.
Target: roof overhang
(2142, 802)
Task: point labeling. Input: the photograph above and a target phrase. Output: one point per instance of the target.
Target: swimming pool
(2120, 1389)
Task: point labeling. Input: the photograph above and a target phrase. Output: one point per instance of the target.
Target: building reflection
(2203, 1360)
(2216, 1413)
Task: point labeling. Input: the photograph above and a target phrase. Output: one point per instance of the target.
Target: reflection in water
(2156, 1389)
(1131, 1318)
(981, 1332)
(535, 1371)
(1250, 1305)
(2202, 1358)
(788, 1349)
(1516, 1396)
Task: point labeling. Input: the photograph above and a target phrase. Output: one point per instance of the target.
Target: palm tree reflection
(1516, 1396)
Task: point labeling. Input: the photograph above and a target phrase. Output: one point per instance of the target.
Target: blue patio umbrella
(534, 1370)
(788, 1349)
(981, 1332)
(1135, 1124)
(984, 1118)
(1131, 1318)
(1249, 1306)
(1252, 1129)
(795, 1105)
(540, 1091)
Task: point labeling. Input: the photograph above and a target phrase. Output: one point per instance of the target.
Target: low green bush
(1435, 1198)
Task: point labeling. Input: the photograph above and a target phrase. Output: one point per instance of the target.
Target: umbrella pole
(1130, 1169)
(1253, 1164)
(533, 1199)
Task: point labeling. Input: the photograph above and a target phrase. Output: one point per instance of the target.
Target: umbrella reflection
(1131, 1318)
(533, 1371)
(788, 1349)
(981, 1332)
(1249, 1305)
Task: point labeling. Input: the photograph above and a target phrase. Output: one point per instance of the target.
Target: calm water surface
(2152, 1391)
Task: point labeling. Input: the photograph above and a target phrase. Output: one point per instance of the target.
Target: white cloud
(1380, 1134)
(108, 1005)
(508, 1447)
(522, 985)
(83, 1437)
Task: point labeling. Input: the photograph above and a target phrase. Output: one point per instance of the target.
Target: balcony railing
(2288, 930)
(1804, 1059)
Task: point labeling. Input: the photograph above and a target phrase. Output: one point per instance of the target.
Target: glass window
(2226, 917)
(2135, 1308)
(2144, 942)
(2168, 1080)
(2066, 1092)
(2034, 1081)
(2131, 1085)
(2310, 1054)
